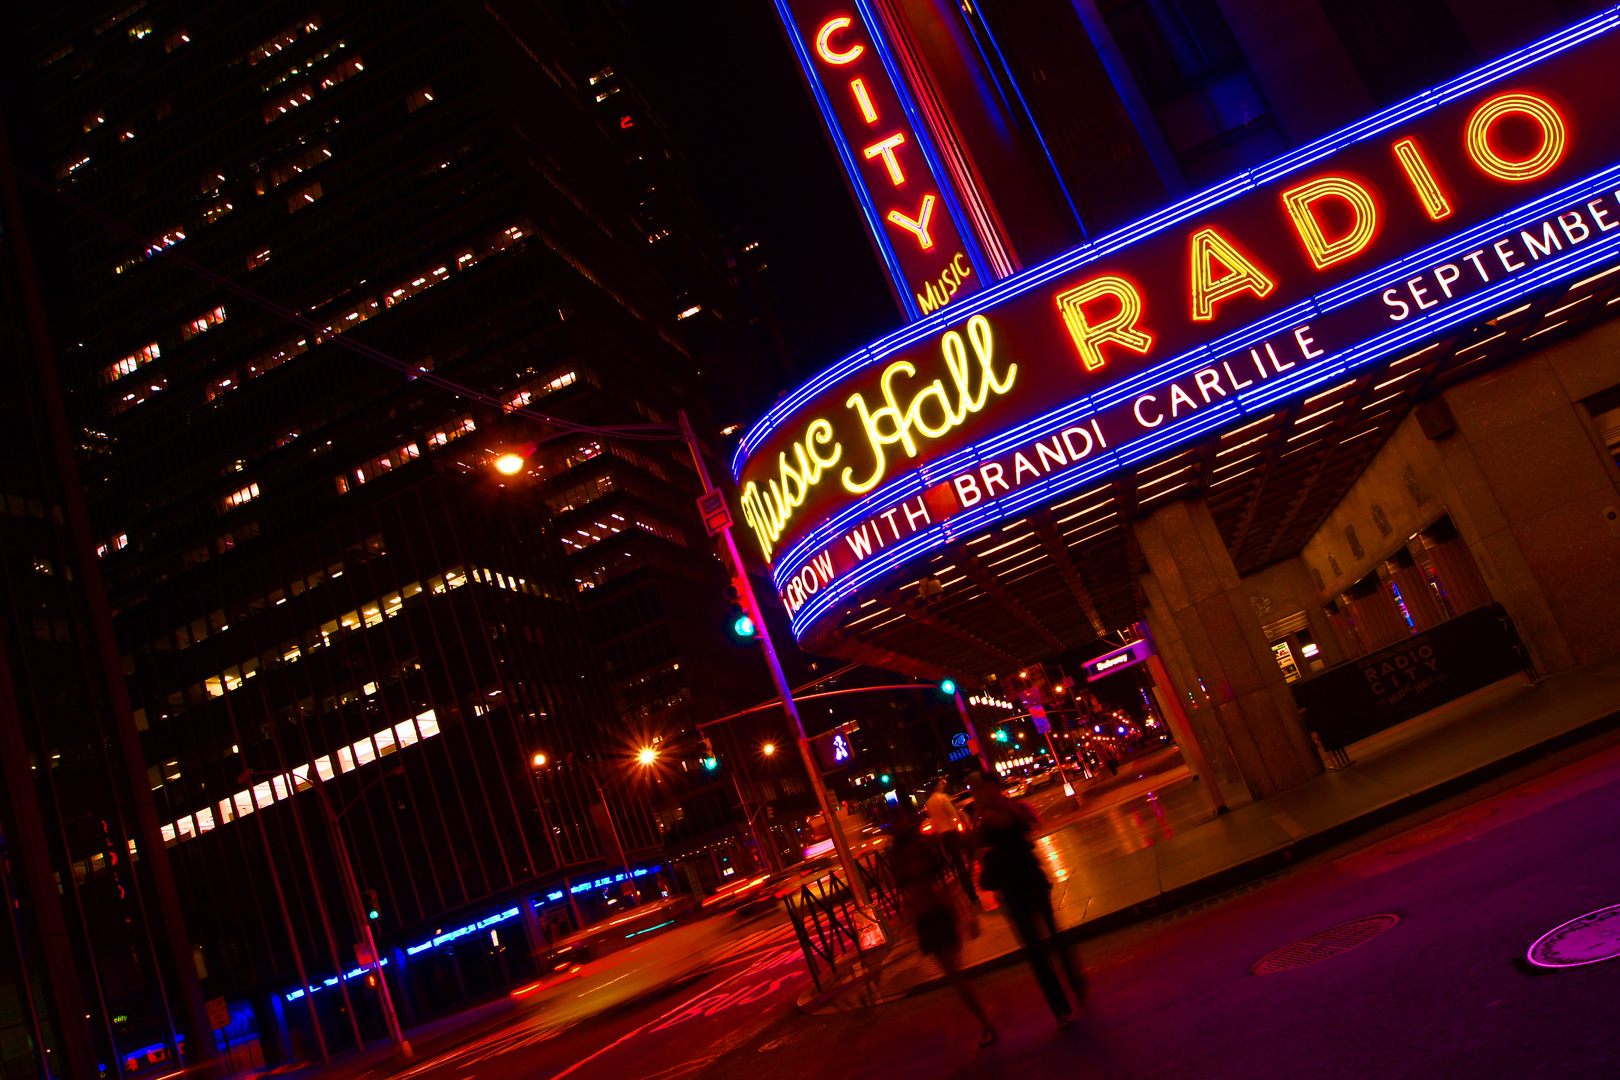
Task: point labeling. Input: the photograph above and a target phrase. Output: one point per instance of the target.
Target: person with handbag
(939, 911)
(1009, 868)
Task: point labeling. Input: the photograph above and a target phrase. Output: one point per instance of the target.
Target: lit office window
(202, 323)
(113, 372)
(240, 497)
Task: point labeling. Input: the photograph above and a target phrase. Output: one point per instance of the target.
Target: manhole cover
(1323, 945)
(1593, 937)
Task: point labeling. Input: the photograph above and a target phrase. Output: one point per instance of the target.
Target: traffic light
(709, 762)
(884, 779)
(368, 903)
(948, 687)
(739, 624)
(1000, 734)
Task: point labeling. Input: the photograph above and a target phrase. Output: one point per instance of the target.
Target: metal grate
(1323, 945)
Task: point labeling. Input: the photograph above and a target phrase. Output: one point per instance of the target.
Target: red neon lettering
(825, 48)
(918, 228)
(1210, 249)
(1492, 162)
(1119, 328)
(1302, 201)
(885, 149)
(1416, 166)
(858, 86)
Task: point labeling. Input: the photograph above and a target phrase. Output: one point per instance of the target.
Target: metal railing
(827, 921)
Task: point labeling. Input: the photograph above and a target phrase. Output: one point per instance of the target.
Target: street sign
(219, 1013)
(1119, 659)
(713, 510)
(1038, 714)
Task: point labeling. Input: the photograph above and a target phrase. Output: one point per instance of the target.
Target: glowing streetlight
(539, 761)
(768, 749)
(509, 464)
(647, 755)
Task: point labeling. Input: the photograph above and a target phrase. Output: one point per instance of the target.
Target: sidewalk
(1163, 848)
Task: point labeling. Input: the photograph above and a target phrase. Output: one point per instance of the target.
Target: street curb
(1272, 862)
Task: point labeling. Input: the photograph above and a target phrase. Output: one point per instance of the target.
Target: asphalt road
(675, 1003)
(1443, 993)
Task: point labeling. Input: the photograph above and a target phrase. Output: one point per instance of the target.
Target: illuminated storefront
(1028, 443)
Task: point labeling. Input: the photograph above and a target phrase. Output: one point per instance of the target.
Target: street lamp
(647, 756)
(351, 890)
(768, 749)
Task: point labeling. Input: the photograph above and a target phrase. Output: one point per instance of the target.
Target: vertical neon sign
(915, 217)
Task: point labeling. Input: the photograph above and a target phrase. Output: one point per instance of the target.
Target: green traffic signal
(947, 686)
(711, 763)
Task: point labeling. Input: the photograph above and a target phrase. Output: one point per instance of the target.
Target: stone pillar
(1532, 485)
(1194, 578)
(1184, 685)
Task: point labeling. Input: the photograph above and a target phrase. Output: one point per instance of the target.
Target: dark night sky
(729, 88)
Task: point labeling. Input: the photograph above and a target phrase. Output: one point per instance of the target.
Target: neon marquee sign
(912, 211)
(1355, 248)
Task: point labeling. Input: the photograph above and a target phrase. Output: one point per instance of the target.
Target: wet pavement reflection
(1094, 837)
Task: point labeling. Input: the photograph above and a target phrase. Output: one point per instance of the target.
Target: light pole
(645, 757)
(745, 590)
(351, 892)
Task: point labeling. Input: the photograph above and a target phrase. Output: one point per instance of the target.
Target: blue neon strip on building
(332, 980)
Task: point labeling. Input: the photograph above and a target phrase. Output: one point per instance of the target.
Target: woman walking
(1009, 868)
(918, 869)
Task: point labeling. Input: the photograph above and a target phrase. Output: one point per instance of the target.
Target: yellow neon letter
(1554, 137)
(918, 228)
(1301, 205)
(824, 45)
(1211, 249)
(863, 100)
(886, 149)
(1119, 328)
(1416, 167)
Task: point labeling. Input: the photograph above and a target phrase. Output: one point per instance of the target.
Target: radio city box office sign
(1217, 309)
(898, 177)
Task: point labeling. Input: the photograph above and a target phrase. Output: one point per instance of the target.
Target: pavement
(1442, 993)
(1479, 827)
(1138, 847)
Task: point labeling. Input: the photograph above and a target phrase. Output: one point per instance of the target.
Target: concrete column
(1533, 485)
(1194, 578)
(1184, 684)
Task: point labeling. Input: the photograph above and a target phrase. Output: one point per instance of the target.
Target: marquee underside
(1055, 579)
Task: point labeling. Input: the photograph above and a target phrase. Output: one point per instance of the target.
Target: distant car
(611, 935)
(1017, 788)
(737, 894)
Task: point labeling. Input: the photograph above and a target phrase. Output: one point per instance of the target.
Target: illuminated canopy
(1353, 251)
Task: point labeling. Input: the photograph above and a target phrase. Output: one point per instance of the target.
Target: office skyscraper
(285, 233)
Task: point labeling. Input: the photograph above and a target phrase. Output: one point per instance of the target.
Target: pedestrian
(1008, 867)
(951, 828)
(939, 911)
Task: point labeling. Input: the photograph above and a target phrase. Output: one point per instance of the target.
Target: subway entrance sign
(1366, 247)
(1120, 659)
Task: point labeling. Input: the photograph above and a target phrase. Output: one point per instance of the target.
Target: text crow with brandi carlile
(1347, 250)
